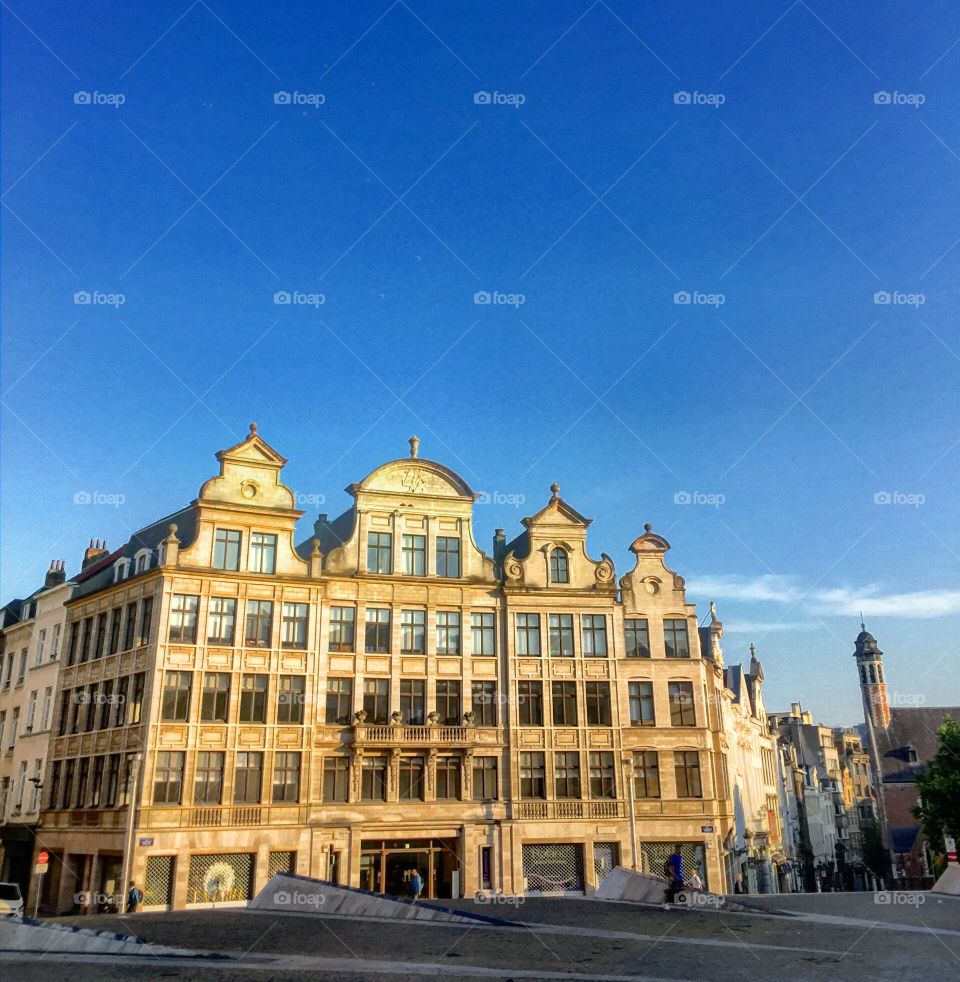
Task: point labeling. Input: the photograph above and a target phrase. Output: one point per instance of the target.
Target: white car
(11, 900)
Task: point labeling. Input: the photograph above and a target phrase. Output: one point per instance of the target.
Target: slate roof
(332, 534)
(914, 727)
(100, 573)
(902, 838)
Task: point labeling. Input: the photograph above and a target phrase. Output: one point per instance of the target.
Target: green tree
(939, 788)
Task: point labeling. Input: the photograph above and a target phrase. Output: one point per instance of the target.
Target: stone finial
(555, 490)
(647, 527)
(315, 547)
(253, 429)
(753, 650)
(172, 532)
(414, 446)
(713, 612)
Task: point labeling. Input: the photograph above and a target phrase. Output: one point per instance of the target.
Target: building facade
(32, 639)
(382, 696)
(898, 740)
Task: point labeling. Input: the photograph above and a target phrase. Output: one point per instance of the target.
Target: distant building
(31, 642)
(814, 799)
(899, 740)
(859, 815)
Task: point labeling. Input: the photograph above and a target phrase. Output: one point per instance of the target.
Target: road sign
(951, 849)
(706, 828)
(146, 842)
(39, 869)
(43, 858)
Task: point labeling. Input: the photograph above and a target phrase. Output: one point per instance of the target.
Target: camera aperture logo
(297, 298)
(484, 98)
(84, 98)
(884, 98)
(684, 98)
(284, 98)
(493, 298)
(694, 298)
(95, 298)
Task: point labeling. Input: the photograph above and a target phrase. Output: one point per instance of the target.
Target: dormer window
(911, 755)
(559, 566)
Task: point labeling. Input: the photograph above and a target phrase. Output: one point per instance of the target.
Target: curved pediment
(413, 476)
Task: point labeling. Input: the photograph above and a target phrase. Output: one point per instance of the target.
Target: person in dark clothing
(674, 871)
(134, 898)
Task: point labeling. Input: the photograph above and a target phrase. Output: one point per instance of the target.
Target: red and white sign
(43, 858)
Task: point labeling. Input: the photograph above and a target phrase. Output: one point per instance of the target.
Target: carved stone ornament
(433, 718)
(512, 567)
(604, 570)
(468, 718)
(360, 716)
(396, 718)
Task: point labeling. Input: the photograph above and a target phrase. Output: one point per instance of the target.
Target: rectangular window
(259, 630)
(339, 701)
(448, 778)
(448, 702)
(593, 627)
(113, 780)
(530, 703)
(100, 648)
(55, 646)
(484, 703)
(598, 704)
(603, 780)
(291, 694)
(485, 779)
(561, 635)
(533, 780)
(168, 777)
(183, 618)
(413, 632)
(378, 630)
(84, 648)
(286, 776)
(130, 626)
(248, 777)
(215, 698)
(72, 645)
(636, 635)
(253, 698)
(146, 618)
(106, 699)
(413, 700)
(646, 774)
(448, 556)
(226, 549)
(448, 632)
(175, 700)
(483, 633)
(41, 644)
(373, 779)
(293, 626)
(83, 776)
(342, 624)
(379, 552)
(116, 615)
(566, 775)
(641, 704)
(414, 555)
(681, 704)
(675, 639)
(221, 620)
(564, 703)
(411, 779)
(376, 699)
(528, 634)
(135, 697)
(336, 778)
(67, 788)
(686, 764)
(208, 783)
(263, 553)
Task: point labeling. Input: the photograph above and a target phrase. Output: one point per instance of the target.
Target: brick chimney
(96, 550)
(56, 575)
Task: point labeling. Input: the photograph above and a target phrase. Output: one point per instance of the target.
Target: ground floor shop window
(220, 878)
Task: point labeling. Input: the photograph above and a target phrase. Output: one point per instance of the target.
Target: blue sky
(785, 169)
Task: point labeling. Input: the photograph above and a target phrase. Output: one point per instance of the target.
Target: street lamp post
(628, 769)
(134, 781)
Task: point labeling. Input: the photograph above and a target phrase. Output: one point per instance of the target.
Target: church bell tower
(873, 686)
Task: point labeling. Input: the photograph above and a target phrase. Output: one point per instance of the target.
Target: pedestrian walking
(134, 898)
(416, 884)
(674, 871)
(695, 882)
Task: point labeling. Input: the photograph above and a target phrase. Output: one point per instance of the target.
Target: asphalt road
(830, 936)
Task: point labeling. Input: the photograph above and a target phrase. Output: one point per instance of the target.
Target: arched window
(863, 674)
(559, 566)
(873, 674)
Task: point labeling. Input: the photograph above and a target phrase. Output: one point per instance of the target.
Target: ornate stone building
(383, 696)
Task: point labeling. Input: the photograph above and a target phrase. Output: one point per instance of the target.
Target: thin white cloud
(739, 626)
(841, 601)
